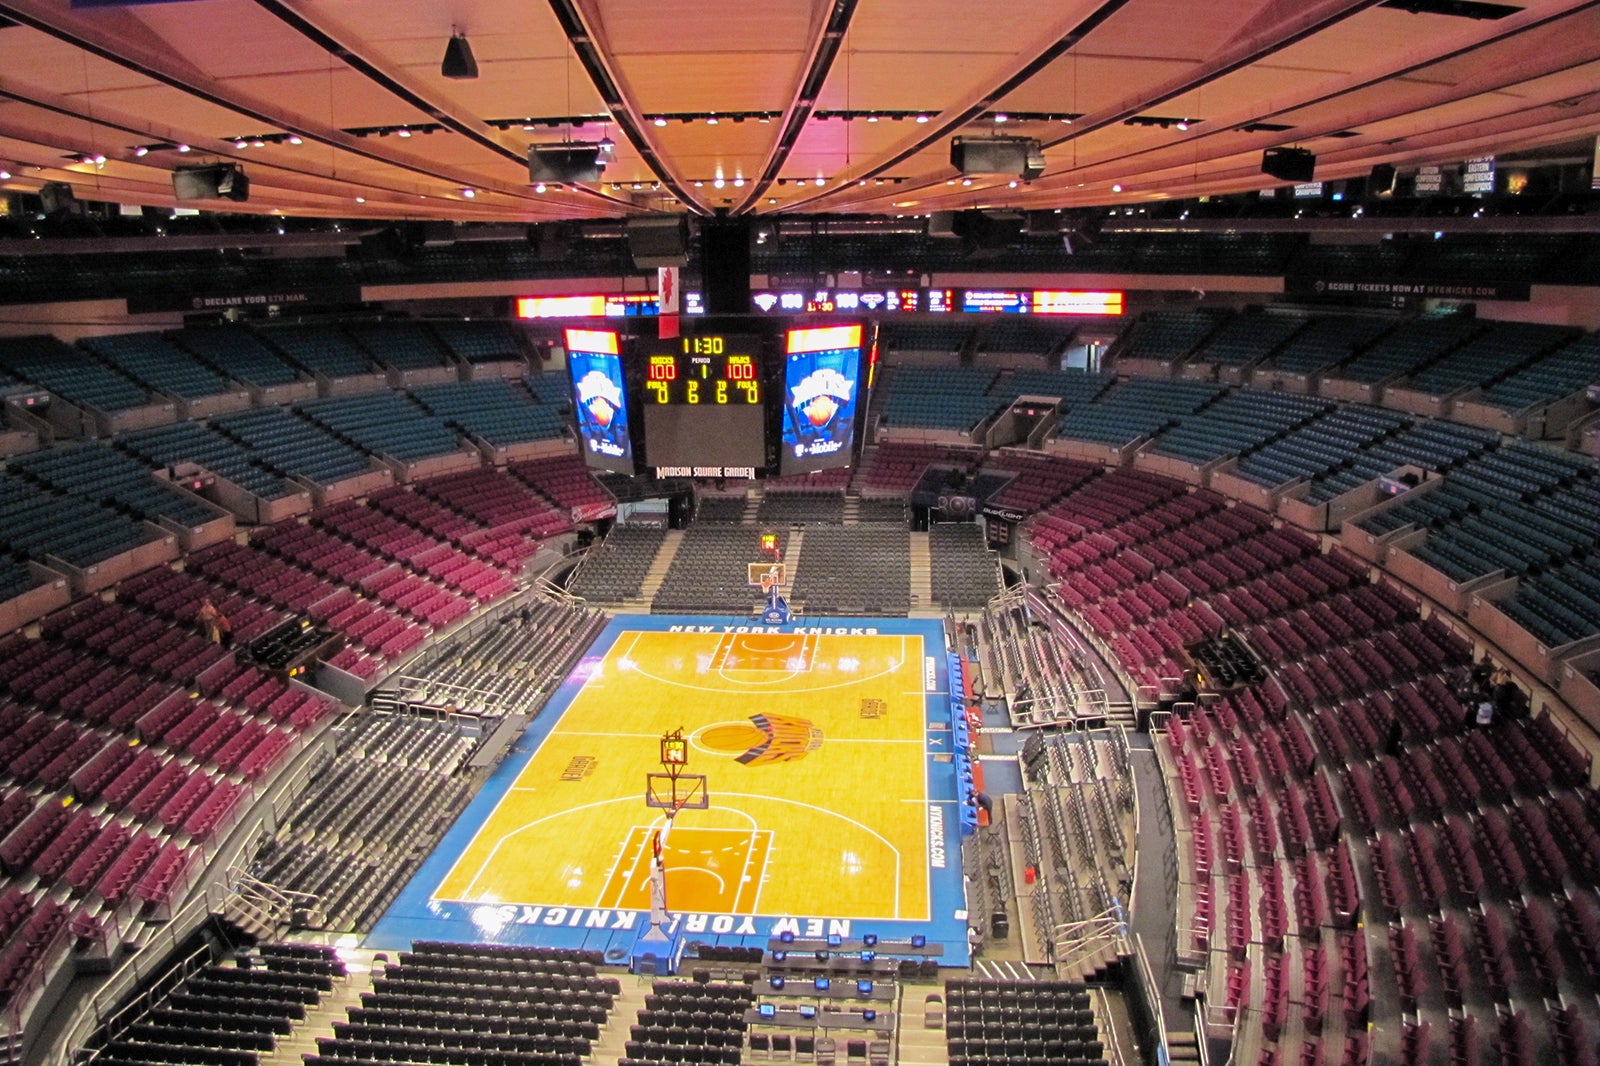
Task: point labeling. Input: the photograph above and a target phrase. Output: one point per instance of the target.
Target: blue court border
(414, 915)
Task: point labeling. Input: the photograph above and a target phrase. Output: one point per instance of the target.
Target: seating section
(1248, 338)
(293, 446)
(1044, 673)
(384, 423)
(1561, 605)
(1135, 408)
(1025, 335)
(1327, 341)
(615, 569)
(490, 410)
(567, 483)
(690, 1021)
(479, 341)
(370, 814)
(98, 473)
(893, 469)
(938, 397)
(1559, 374)
(476, 1003)
(799, 507)
(511, 665)
(1432, 445)
(229, 1012)
(320, 350)
(854, 570)
(193, 442)
(966, 574)
(158, 364)
(398, 345)
(1022, 1023)
(1239, 421)
(1497, 353)
(1166, 336)
(1074, 387)
(708, 574)
(1408, 348)
(237, 353)
(130, 745)
(70, 374)
(37, 525)
(1324, 449)
(906, 336)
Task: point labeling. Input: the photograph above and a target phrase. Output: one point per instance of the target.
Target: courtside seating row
(221, 1014)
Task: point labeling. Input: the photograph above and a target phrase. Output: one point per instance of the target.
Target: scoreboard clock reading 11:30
(712, 371)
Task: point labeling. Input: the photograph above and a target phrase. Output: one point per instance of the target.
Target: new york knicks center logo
(764, 739)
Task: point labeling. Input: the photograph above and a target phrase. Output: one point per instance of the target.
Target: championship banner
(667, 301)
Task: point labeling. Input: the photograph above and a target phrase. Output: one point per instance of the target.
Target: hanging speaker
(1288, 164)
(564, 164)
(1381, 180)
(659, 241)
(211, 181)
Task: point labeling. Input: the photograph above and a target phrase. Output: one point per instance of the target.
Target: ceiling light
(292, 140)
(661, 121)
(822, 181)
(241, 144)
(1116, 188)
(5, 175)
(183, 147)
(1001, 118)
(738, 183)
(607, 145)
(1012, 185)
(361, 199)
(966, 181)
(263, 144)
(141, 151)
(922, 118)
(1183, 124)
(402, 131)
(711, 120)
(772, 199)
(458, 59)
(718, 183)
(469, 193)
(539, 187)
(872, 118)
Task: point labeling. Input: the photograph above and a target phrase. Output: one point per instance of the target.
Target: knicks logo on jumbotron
(765, 738)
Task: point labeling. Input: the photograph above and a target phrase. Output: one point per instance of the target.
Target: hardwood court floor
(814, 751)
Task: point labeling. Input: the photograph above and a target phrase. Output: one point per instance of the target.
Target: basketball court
(815, 796)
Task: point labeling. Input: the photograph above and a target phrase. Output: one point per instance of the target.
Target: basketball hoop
(768, 581)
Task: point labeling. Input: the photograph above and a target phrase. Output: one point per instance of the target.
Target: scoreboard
(703, 370)
(704, 403)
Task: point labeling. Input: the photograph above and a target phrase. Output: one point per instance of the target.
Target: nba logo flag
(667, 302)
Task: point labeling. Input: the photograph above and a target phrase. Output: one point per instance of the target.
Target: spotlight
(295, 140)
(711, 120)
(921, 119)
(661, 121)
(822, 181)
(1182, 124)
(607, 145)
(539, 187)
(258, 144)
(458, 59)
(403, 132)
(241, 144)
(469, 193)
(361, 199)
(183, 148)
(141, 151)
(5, 175)
(1116, 188)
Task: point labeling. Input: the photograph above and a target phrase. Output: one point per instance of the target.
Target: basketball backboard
(757, 571)
(668, 793)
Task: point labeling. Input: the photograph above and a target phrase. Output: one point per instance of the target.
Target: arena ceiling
(757, 106)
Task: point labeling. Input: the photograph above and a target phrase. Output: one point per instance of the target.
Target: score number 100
(704, 379)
